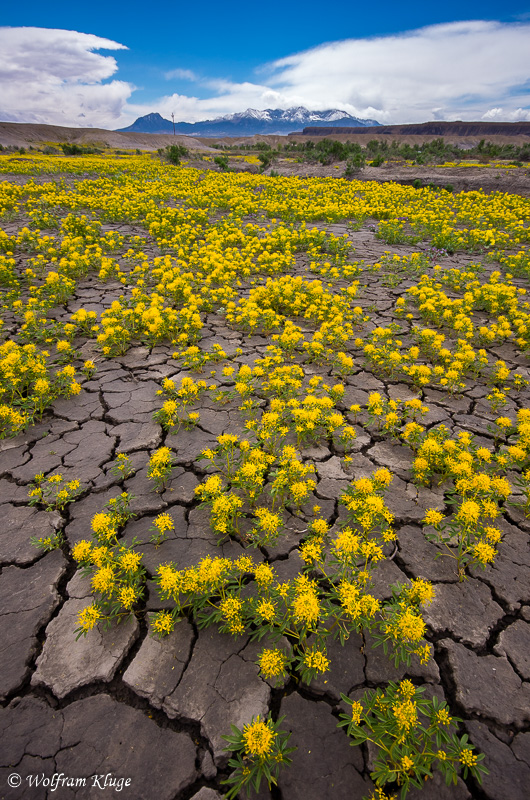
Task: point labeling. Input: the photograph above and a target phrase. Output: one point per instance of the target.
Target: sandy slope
(21, 134)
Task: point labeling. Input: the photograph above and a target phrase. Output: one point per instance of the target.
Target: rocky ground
(488, 179)
(469, 178)
(124, 704)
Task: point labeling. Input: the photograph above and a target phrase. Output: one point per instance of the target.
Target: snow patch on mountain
(250, 122)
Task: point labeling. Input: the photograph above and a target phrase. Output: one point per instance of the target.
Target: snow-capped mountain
(251, 122)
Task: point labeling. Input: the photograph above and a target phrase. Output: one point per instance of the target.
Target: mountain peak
(251, 122)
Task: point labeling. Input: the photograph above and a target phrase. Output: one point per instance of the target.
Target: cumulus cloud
(499, 114)
(453, 70)
(456, 70)
(55, 77)
(461, 70)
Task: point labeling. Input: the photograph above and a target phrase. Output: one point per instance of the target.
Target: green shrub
(266, 159)
(222, 162)
(72, 149)
(174, 152)
(355, 164)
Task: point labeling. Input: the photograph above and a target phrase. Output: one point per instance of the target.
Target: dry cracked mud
(122, 703)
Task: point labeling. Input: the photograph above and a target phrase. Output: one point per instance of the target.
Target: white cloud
(461, 70)
(457, 70)
(492, 114)
(181, 75)
(55, 77)
(499, 114)
(229, 98)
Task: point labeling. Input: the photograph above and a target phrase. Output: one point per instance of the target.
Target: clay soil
(515, 180)
(489, 179)
(120, 702)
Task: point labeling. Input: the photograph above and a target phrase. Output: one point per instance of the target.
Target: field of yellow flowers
(265, 470)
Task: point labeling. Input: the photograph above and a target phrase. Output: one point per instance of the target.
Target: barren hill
(22, 134)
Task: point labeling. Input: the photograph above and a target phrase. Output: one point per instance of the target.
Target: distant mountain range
(250, 123)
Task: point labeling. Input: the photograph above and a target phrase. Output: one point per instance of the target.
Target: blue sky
(104, 64)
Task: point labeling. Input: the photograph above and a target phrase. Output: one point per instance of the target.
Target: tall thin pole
(173, 118)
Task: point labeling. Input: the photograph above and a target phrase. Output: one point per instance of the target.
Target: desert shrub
(72, 149)
(174, 152)
(355, 163)
(265, 158)
(222, 162)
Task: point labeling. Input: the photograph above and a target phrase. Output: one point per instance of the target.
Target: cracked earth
(120, 701)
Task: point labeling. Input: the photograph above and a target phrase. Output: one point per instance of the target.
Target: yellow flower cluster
(259, 738)
(160, 466)
(237, 246)
(170, 416)
(117, 574)
(28, 384)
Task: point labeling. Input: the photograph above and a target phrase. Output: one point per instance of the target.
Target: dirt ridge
(21, 134)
